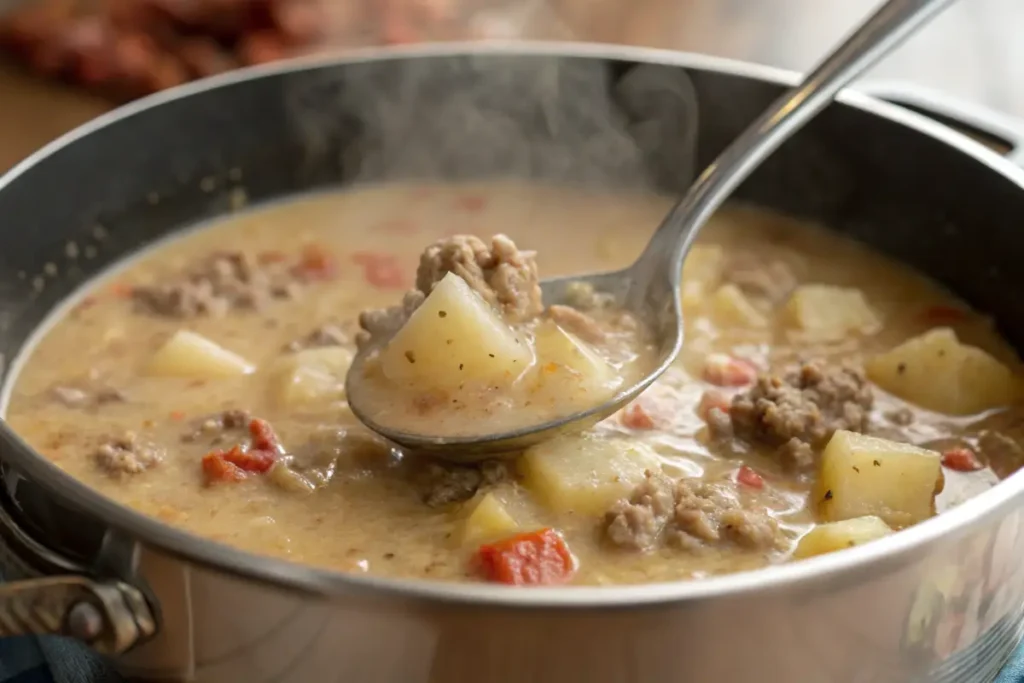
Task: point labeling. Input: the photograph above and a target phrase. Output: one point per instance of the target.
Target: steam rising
(557, 119)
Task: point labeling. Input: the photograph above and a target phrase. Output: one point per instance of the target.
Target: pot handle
(1000, 132)
(110, 616)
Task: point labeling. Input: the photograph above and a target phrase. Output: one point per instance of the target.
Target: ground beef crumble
(83, 397)
(222, 282)
(328, 334)
(690, 514)
(127, 454)
(443, 485)
(216, 428)
(500, 272)
(797, 411)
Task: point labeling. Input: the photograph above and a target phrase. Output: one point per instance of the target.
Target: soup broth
(203, 384)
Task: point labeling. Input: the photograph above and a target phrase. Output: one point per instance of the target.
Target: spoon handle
(889, 26)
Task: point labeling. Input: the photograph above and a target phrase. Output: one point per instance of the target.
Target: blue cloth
(52, 660)
(55, 660)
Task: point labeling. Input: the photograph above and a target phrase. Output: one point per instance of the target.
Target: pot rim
(317, 581)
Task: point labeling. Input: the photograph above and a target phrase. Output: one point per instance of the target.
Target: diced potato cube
(937, 372)
(313, 375)
(825, 312)
(453, 337)
(827, 538)
(864, 475)
(584, 473)
(568, 370)
(702, 271)
(187, 354)
(487, 520)
(731, 308)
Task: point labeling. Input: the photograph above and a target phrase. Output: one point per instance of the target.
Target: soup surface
(826, 396)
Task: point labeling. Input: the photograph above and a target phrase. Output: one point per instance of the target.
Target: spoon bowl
(650, 289)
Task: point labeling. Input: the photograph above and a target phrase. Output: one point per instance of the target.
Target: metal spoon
(650, 288)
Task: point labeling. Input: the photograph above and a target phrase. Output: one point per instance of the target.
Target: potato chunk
(454, 337)
(568, 370)
(827, 538)
(937, 372)
(313, 376)
(702, 271)
(585, 473)
(825, 312)
(864, 475)
(731, 308)
(187, 354)
(487, 520)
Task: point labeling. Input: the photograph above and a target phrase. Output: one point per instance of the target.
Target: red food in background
(128, 48)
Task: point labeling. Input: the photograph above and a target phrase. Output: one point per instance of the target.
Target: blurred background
(65, 61)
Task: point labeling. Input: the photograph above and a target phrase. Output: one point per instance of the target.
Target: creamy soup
(827, 396)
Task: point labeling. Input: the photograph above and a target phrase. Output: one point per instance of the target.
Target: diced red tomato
(635, 416)
(726, 371)
(472, 203)
(536, 558)
(713, 400)
(749, 477)
(316, 263)
(253, 460)
(961, 460)
(944, 315)
(217, 469)
(381, 270)
(263, 436)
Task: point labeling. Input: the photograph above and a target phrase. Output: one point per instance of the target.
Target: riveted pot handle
(1001, 132)
(48, 595)
(111, 617)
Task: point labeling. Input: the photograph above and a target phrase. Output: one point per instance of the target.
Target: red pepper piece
(635, 416)
(726, 371)
(381, 270)
(253, 460)
(536, 558)
(748, 477)
(217, 469)
(961, 460)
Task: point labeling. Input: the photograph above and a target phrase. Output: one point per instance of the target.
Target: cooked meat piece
(583, 296)
(225, 281)
(754, 275)
(328, 334)
(446, 484)
(637, 523)
(77, 397)
(577, 322)
(127, 455)
(690, 514)
(797, 411)
(719, 423)
(502, 274)
(382, 323)
(215, 427)
(900, 417)
(1003, 452)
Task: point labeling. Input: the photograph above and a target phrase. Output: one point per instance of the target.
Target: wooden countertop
(973, 51)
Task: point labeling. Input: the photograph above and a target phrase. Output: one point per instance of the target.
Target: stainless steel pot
(942, 601)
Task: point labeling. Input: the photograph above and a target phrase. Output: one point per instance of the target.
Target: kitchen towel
(57, 660)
